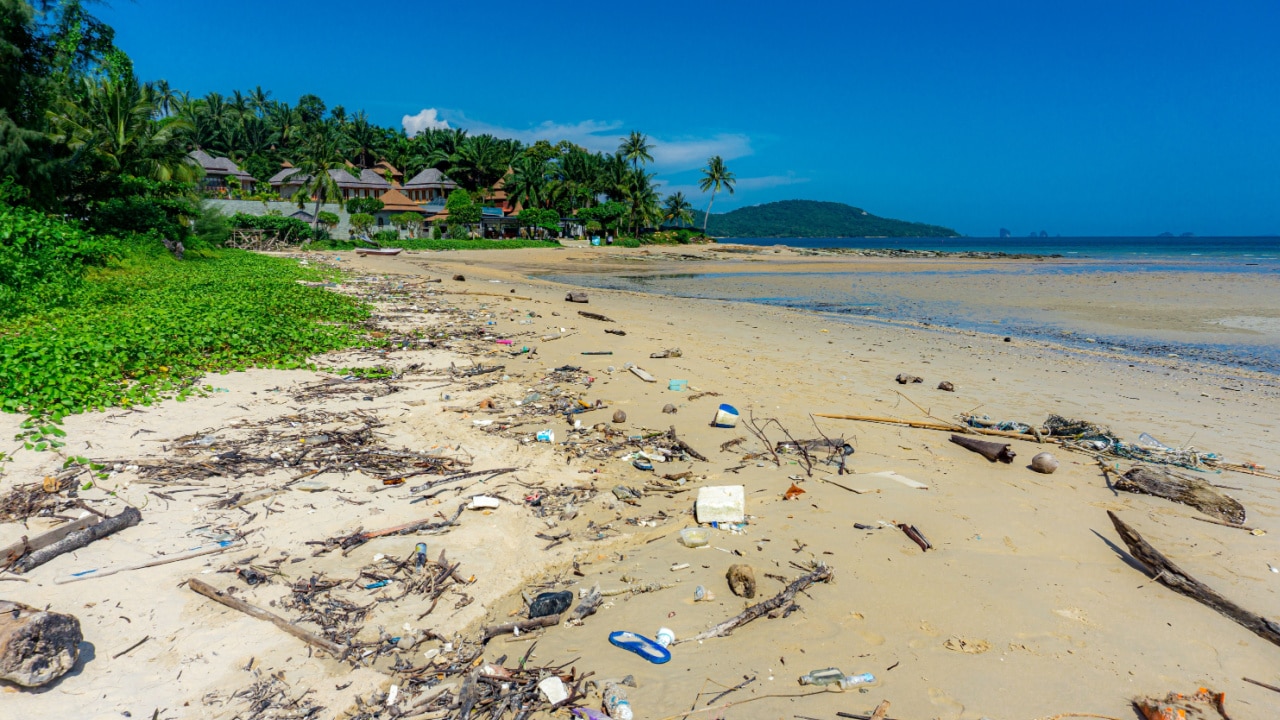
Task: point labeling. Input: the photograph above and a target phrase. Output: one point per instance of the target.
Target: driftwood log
(25, 545)
(594, 316)
(522, 626)
(77, 540)
(587, 606)
(1181, 489)
(990, 450)
(782, 599)
(682, 445)
(1173, 577)
(217, 596)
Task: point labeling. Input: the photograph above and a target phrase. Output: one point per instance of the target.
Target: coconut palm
(112, 125)
(677, 209)
(635, 148)
(715, 177)
(320, 154)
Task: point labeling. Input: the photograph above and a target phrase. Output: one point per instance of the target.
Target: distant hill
(811, 218)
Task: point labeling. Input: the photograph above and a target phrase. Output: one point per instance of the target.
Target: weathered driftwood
(682, 445)
(594, 316)
(36, 646)
(217, 596)
(587, 606)
(1172, 577)
(15, 551)
(989, 450)
(77, 540)
(1181, 489)
(782, 599)
(522, 626)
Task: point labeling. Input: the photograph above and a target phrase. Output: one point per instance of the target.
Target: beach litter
(989, 450)
(721, 503)
(1163, 571)
(1204, 704)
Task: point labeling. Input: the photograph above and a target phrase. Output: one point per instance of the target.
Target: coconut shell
(1044, 463)
(619, 417)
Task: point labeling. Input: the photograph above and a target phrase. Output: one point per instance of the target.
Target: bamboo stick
(215, 595)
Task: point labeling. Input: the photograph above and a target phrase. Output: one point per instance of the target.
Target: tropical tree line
(78, 128)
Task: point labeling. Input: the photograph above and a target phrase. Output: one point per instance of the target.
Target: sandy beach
(1028, 605)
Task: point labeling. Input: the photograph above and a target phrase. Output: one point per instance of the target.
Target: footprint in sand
(1008, 542)
(940, 698)
(1074, 614)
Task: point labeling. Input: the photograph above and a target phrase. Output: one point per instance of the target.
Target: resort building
(368, 184)
(217, 170)
(394, 202)
(428, 186)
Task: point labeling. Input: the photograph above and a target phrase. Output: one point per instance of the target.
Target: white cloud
(688, 153)
(768, 181)
(426, 119)
(674, 154)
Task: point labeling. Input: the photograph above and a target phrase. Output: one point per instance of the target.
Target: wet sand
(1025, 565)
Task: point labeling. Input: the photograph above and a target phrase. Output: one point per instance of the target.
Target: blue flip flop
(640, 645)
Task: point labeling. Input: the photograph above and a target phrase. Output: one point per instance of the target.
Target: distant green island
(812, 218)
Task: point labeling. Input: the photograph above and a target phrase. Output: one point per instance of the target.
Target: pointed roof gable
(394, 201)
(219, 166)
(430, 178)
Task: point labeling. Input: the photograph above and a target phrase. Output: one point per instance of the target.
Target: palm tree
(527, 185)
(364, 140)
(480, 161)
(260, 100)
(113, 123)
(715, 176)
(321, 153)
(635, 148)
(677, 209)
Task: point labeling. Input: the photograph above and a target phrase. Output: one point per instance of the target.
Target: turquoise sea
(886, 296)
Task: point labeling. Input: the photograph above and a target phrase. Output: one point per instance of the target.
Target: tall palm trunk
(707, 217)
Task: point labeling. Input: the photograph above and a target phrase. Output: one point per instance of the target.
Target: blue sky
(1086, 118)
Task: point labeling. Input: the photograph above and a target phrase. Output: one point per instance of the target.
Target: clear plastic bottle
(835, 676)
(615, 701)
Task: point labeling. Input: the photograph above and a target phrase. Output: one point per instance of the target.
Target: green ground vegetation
(147, 326)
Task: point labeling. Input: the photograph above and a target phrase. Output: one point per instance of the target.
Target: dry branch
(214, 594)
(522, 626)
(77, 540)
(1172, 577)
(822, 574)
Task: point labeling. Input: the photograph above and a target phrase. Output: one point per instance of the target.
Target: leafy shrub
(139, 205)
(365, 206)
(289, 228)
(462, 209)
(42, 259)
(361, 223)
(151, 327)
(327, 218)
(458, 232)
(386, 236)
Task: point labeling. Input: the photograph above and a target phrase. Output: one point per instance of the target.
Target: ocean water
(1259, 249)
(880, 296)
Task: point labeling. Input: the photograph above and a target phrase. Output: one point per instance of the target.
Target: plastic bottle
(615, 701)
(835, 676)
(666, 636)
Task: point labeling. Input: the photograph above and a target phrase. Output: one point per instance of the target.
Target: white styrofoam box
(721, 503)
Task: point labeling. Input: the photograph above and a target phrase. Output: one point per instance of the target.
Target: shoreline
(1017, 564)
